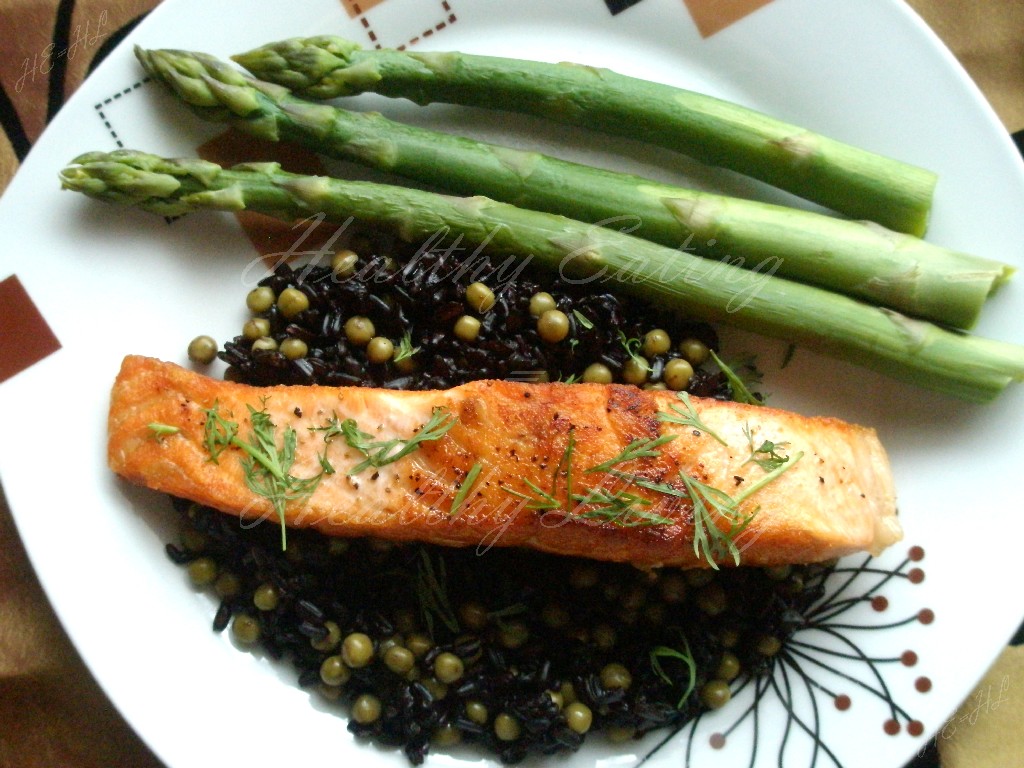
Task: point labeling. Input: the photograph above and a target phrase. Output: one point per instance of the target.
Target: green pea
(677, 374)
(256, 328)
(617, 734)
(359, 330)
(291, 302)
(506, 727)
(579, 717)
(615, 675)
(333, 671)
(597, 373)
(264, 344)
(202, 571)
(728, 667)
(712, 599)
(366, 709)
(604, 637)
(715, 694)
(202, 349)
(260, 299)
(446, 736)
(553, 326)
(418, 644)
(555, 615)
(656, 342)
(380, 349)
(636, 370)
(294, 349)
(193, 540)
(467, 328)
(448, 667)
(479, 297)
(266, 597)
(473, 616)
(399, 659)
(541, 302)
(694, 350)
(227, 585)
(245, 629)
(357, 650)
(343, 263)
(476, 711)
(768, 645)
(437, 689)
(513, 634)
(672, 588)
(583, 577)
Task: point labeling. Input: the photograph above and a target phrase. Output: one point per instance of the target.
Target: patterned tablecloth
(52, 713)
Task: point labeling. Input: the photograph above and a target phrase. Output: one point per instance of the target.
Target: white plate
(111, 282)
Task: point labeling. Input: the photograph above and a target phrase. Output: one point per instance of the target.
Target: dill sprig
(709, 505)
(564, 465)
(541, 501)
(769, 477)
(641, 448)
(583, 320)
(464, 488)
(405, 348)
(620, 508)
(633, 347)
(767, 455)
(378, 453)
(432, 593)
(685, 656)
(266, 466)
(688, 417)
(160, 431)
(712, 504)
(740, 391)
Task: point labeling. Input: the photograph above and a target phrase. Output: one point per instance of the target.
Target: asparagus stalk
(969, 367)
(857, 183)
(857, 258)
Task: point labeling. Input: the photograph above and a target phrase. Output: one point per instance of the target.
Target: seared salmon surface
(607, 472)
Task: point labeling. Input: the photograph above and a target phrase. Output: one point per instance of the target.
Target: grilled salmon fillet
(601, 471)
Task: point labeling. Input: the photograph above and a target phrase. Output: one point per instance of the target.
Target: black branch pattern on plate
(824, 655)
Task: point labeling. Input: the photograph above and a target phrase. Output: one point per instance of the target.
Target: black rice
(534, 632)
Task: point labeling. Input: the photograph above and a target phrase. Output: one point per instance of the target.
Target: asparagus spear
(857, 183)
(857, 258)
(912, 350)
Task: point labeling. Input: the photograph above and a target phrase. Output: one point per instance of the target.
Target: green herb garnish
(740, 391)
(632, 347)
(688, 417)
(767, 455)
(161, 431)
(709, 505)
(750, 490)
(620, 508)
(540, 501)
(381, 452)
(432, 593)
(564, 465)
(664, 652)
(583, 320)
(267, 468)
(467, 484)
(638, 449)
(405, 348)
